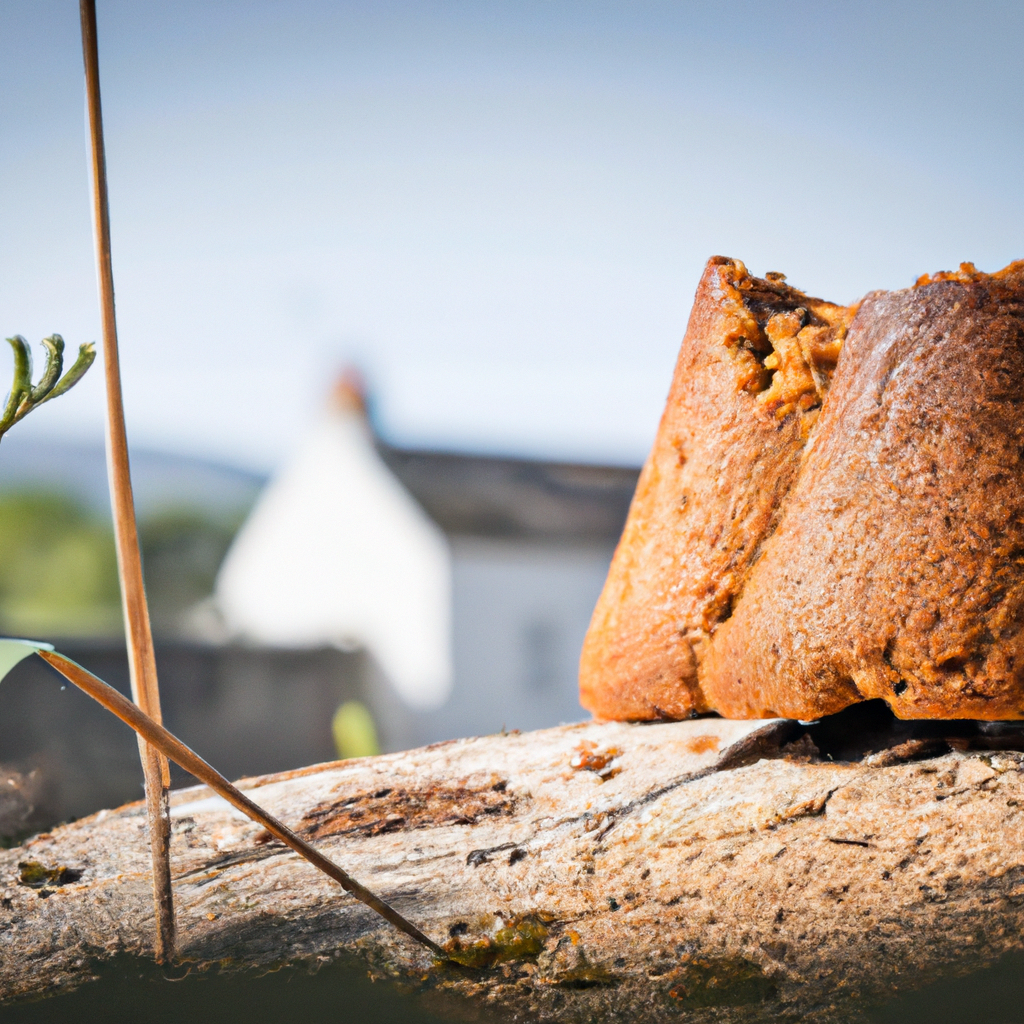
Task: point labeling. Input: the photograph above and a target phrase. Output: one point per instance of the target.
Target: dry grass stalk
(141, 657)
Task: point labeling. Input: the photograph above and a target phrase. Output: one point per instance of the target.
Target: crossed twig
(24, 397)
(171, 747)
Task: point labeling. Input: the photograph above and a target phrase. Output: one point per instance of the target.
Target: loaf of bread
(833, 510)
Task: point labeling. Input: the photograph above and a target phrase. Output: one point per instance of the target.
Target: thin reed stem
(141, 657)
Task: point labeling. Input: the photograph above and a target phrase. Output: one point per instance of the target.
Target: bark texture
(701, 870)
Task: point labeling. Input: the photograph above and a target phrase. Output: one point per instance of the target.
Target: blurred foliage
(182, 549)
(58, 568)
(354, 731)
(58, 573)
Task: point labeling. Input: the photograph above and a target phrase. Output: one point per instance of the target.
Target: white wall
(520, 612)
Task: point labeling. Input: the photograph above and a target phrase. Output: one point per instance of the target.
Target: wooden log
(701, 870)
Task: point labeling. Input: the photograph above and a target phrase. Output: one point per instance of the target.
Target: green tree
(182, 549)
(58, 571)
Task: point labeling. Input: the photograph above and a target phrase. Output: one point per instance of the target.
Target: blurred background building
(435, 594)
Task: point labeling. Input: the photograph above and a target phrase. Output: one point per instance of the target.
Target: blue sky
(499, 210)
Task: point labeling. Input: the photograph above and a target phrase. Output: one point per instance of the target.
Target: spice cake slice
(833, 510)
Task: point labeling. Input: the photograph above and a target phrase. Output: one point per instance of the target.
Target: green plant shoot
(24, 396)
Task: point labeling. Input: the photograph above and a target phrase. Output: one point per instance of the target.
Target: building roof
(527, 499)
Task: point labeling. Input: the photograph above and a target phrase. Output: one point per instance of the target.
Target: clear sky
(499, 209)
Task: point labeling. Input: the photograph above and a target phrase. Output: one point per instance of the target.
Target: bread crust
(793, 548)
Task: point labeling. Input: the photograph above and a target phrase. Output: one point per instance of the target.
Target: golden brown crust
(793, 564)
(726, 453)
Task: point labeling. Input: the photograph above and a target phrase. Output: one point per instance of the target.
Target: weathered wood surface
(688, 870)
